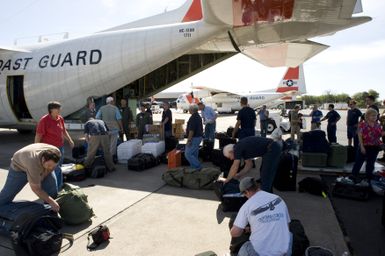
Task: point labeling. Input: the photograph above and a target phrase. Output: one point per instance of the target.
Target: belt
(97, 134)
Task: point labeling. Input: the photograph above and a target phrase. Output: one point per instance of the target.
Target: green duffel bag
(74, 207)
(190, 178)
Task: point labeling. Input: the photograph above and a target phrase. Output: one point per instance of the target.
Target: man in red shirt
(51, 130)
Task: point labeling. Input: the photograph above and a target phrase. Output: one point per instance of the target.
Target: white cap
(109, 100)
(227, 150)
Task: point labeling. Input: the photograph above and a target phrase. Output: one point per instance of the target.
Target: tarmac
(147, 217)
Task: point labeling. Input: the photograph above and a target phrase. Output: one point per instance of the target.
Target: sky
(355, 61)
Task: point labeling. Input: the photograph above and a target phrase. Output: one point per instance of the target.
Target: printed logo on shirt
(270, 206)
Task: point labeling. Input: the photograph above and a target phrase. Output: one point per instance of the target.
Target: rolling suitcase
(286, 176)
(338, 155)
(170, 143)
(351, 154)
(205, 151)
(315, 142)
(216, 157)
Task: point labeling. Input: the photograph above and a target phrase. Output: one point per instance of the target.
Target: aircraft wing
(211, 90)
(9, 49)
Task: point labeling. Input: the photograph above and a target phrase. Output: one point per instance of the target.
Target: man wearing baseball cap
(250, 148)
(268, 217)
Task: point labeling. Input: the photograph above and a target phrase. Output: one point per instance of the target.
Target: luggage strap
(180, 182)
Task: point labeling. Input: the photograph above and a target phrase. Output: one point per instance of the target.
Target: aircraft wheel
(271, 126)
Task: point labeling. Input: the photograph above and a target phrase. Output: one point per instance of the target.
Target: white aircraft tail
(293, 82)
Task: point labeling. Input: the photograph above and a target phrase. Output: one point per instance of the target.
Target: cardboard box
(179, 121)
(156, 129)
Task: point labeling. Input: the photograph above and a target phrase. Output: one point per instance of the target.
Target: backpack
(190, 178)
(33, 228)
(98, 168)
(318, 251)
(74, 207)
(314, 186)
(300, 240)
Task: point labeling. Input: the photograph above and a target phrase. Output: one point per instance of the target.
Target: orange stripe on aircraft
(287, 89)
(194, 13)
(292, 74)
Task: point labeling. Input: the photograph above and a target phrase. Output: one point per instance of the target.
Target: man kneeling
(269, 220)
(33, 164)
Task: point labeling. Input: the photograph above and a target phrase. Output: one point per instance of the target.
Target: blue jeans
(370, 157)
(332, 129)
(269, 166)
(210, 131)
(16, 180)
(58, 172)
(264, 124)
(192, 151)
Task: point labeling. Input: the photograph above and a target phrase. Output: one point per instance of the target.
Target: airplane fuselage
(94, 65)
(226, 102)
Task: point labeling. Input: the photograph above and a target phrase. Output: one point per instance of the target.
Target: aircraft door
(15, 92)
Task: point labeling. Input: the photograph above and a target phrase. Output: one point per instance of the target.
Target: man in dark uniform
(246, 120)
(126, 118)
(248, 149)
(333, 117)
(194, 133)
(167, 120)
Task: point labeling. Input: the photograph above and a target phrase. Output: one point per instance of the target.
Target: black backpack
(300, 240)
(32, 228)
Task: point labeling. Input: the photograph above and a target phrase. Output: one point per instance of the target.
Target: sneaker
(347, 180)
(363, 183)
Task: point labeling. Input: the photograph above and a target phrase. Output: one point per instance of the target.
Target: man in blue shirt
(194, 133)
(333, 117)
(110, 114)
(245, 121)
(352, 120)
(209, 119)
(316, 116)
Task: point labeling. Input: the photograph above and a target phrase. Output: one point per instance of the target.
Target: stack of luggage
(315, 149)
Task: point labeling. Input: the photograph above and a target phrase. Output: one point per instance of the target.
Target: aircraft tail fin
(293, 82)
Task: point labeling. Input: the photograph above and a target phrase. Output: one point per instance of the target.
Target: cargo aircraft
(291, 85)
(152, 54)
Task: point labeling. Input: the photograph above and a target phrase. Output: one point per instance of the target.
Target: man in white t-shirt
(269, 220)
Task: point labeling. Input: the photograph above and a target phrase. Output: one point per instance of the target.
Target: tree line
(328, 97)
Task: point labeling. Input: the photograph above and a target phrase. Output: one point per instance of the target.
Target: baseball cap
(246, 183)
